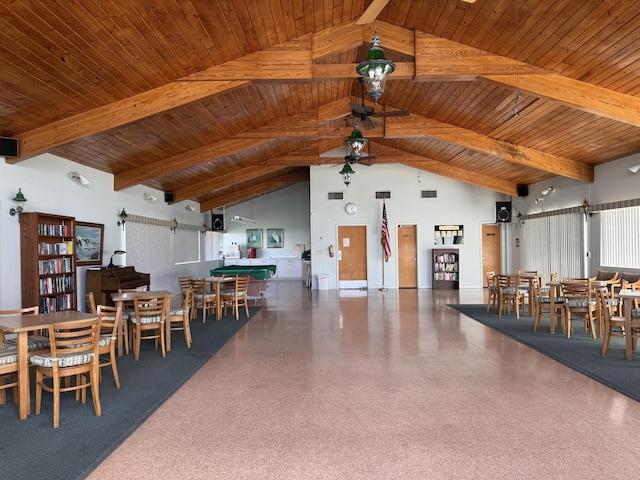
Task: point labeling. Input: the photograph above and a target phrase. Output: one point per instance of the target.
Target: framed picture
(254, 238)
(89, 237)
(275, 238)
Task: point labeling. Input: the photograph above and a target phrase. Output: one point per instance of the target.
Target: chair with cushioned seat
(542, 301)
(202, 298)
(148, 321)
(492, 285)
(35, 343)
(8, 374)
(91, 303)
(73, 357)
(614, 325)
(510, 293)
(110, 319)
(578, 300)
(180, 318)
(237, 296)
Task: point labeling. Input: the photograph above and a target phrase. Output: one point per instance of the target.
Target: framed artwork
(89, 238)
(254, 238)
(275, 238)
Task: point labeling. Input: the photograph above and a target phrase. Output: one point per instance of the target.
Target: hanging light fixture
(346, 173)
(356, 143)
(375, 69)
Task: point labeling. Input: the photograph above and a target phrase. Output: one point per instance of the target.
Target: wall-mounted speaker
(217, 222)
(8, 147)
(523, 190)
(169, 197)
(503, 212)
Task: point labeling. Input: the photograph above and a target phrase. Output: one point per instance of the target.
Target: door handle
(339, 255)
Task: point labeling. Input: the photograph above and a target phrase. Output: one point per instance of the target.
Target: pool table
(260, 274)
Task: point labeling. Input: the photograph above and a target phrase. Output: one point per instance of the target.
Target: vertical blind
(554, 244)
(619, 237)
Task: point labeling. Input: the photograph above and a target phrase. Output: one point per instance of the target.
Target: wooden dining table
(215, 283)
(120, 298)
(22, 325)
(628, 296)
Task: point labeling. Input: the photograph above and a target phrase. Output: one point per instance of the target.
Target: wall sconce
(79, 178)
(149, 197)
(174, 225)
(117, 252)
(346, 173)
(189, 208)
(547, 191)
(586, 210)
(204, 228)
(123, 218)
(539, 200)
(20, 201)
(634, 168)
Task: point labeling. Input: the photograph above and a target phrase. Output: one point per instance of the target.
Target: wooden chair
(236, 297)
(510, 293)
(180, 319)
(36, 343)
(148, 321)
(74, 355)
(127, 312)
(492, 285)
(578, 300)
(543, 305)
(185, 282)
(110, 320)
(91, 303)
(614, 324)
(202, 298)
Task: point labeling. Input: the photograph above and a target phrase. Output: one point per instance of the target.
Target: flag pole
(384, 257)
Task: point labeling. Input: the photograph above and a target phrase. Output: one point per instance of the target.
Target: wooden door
(352, 256)
(407, 257)
(490, 250)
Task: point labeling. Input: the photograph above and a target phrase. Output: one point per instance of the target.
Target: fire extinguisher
(331, 251)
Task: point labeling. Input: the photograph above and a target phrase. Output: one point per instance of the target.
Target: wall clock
(351, 208)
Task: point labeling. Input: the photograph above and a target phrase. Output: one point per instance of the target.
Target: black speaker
(217, 222)
(8, 147)
(523, 190)
(168, 197)
(503, 212)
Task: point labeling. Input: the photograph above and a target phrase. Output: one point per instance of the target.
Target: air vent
(383, 194)
(336, 195)
(429, 194)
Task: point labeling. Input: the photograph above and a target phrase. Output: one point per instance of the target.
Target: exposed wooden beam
(167, 166)
(372, 11)
(222, 181)
(583, 96)
(416, 126)
(116, 114)
(447, 170)
(247, 192)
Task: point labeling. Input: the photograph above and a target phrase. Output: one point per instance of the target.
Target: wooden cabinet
(48, 262)
(446, 268)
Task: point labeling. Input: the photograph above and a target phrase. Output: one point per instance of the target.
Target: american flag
(386, 241)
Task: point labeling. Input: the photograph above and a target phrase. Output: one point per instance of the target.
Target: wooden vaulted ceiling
(223, 101)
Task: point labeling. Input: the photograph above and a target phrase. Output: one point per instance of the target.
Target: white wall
(45, 183)
(457, 203)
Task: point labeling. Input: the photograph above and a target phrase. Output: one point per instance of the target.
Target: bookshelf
(47, 254)
(445, 268)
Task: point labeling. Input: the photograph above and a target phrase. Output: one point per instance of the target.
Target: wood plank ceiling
(222, 101)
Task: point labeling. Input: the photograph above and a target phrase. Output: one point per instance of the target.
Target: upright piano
(105, 281)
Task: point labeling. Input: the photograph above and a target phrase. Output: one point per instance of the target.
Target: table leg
(628, 305)
(167, 324)
(218, 303)
(24, 402)
(552, 309)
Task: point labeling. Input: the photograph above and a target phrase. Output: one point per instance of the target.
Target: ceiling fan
(363, 112)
